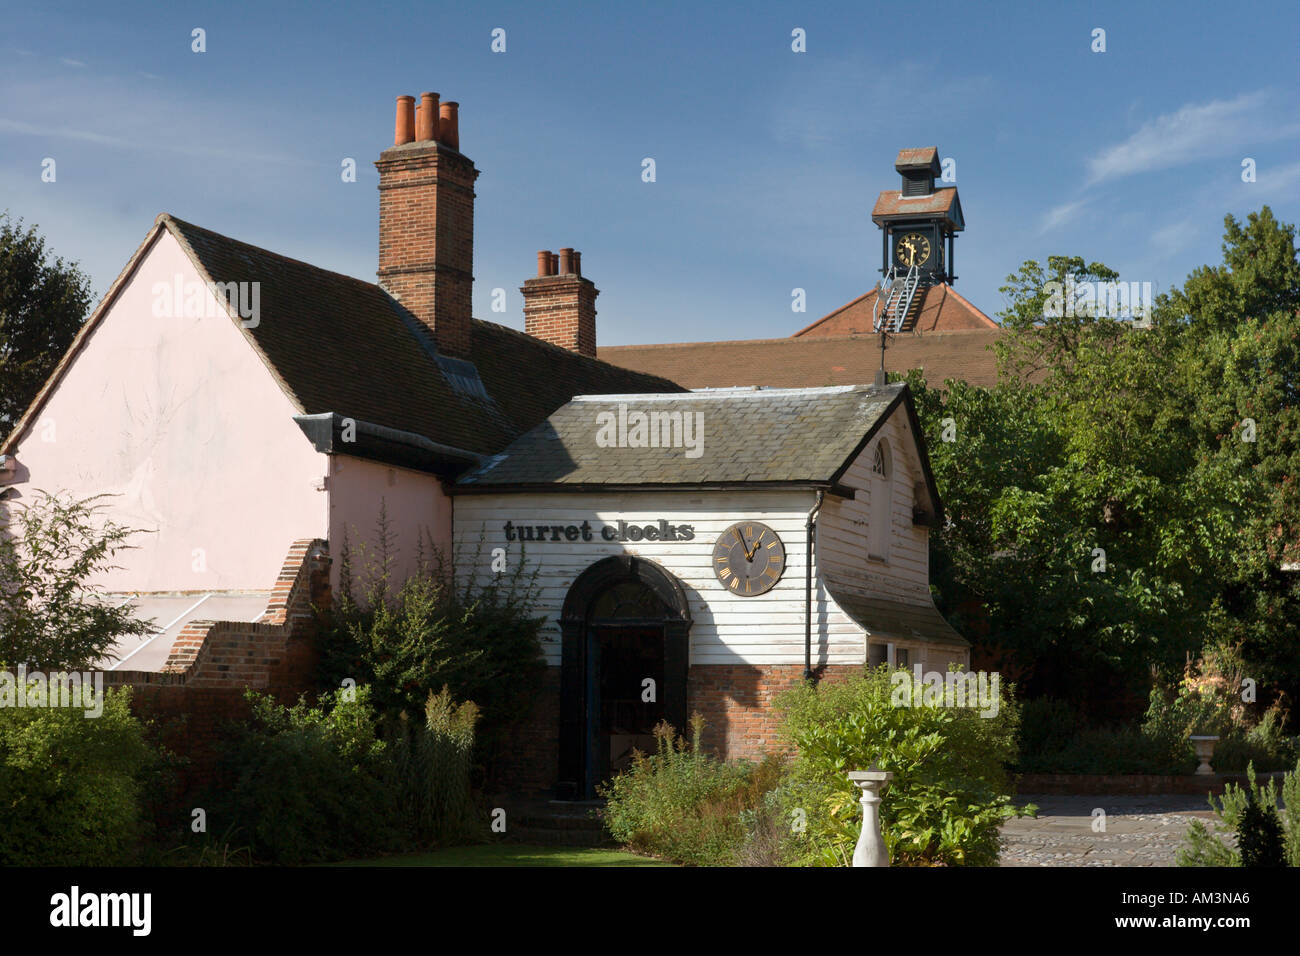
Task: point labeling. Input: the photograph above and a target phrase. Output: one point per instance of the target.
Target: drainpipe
(809, 529)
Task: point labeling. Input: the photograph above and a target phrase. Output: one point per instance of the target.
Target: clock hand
(741, 539)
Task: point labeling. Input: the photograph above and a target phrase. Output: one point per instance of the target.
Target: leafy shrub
(1113, 749)
(1261, 838)
(313, 783)
(1047, 725)
(1205, 701)
(70, 785)
(410, 640)
(683, 805)
(950, 791)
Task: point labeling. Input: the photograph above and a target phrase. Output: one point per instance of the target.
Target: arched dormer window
(881, 529)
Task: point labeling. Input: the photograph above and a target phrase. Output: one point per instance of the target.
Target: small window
(878, 654)
(901, 657)
(880, 463)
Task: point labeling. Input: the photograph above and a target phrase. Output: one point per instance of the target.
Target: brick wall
(529, 761)
(212, 663)
(561, 309)
(735, 701)
(426, 238)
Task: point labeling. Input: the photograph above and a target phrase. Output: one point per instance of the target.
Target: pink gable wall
(414, 501)
(182, 420)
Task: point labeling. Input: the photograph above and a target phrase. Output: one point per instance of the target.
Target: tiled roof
(894, 205)
(760, 435)
(919, 156)
(815, 360)
(941, 310)
(339, 344)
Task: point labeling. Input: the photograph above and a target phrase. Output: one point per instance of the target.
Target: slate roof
(940, 309)
(340, 344)
(881, 617)
(815, 360)
(759, 435)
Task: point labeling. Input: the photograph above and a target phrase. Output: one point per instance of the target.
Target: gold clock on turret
(913, 249)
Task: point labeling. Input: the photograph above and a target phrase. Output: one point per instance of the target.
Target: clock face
(913, 249)
(748, 558)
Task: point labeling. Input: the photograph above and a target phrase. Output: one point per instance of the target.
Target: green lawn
(512, 854)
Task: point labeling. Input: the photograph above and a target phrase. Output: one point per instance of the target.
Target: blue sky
(768, 161)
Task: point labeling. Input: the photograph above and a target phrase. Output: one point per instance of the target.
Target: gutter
(809, 530)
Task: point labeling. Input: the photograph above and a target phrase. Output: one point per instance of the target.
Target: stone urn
(870, 850)
(1204, 744)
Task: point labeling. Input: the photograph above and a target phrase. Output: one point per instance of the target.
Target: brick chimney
(426, 221)
(559, 304)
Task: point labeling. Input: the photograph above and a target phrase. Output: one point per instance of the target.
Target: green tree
(52, 615)
(43, 303)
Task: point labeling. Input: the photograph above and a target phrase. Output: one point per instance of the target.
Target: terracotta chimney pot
(449, 134)
(404, 131)
(426, 126)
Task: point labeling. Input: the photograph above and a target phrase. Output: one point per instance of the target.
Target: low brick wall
(201, 688)
(1137, 783)
(735, 701)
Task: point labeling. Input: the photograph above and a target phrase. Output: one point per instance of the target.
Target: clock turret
(919, 222)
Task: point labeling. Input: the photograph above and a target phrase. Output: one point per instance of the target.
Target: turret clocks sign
(748, 557)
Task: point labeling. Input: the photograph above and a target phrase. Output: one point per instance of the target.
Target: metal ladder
(894, 298)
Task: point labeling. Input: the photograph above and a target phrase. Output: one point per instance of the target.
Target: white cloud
(1059, 215)
(1196, 131)
(68, 61)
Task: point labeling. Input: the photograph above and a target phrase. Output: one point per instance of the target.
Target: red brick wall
(426, 238)
(735, 701)
(529, 759)
(212, 663)
(562, 310)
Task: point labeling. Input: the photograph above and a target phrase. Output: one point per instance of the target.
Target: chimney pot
(426, 228)
(426, 126)
(566, 262)
(449, 134)
(404, 130)
(577, 263)
(555, 264)
(543, 263)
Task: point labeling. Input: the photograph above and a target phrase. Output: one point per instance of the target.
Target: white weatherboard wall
(844, 523)
(726, 628)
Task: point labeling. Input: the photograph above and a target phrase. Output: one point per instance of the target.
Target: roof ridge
(166, 217)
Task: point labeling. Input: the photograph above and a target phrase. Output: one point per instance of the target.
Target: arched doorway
(625, 621)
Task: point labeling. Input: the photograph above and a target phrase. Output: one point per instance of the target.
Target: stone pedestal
(870, 850)
(1204, 751)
